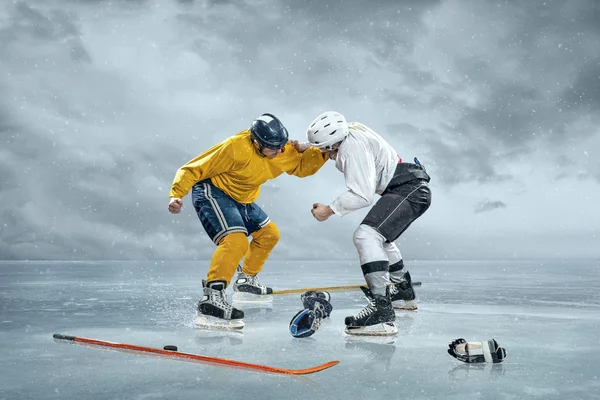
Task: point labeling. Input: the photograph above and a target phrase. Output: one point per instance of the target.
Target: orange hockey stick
(196, 357)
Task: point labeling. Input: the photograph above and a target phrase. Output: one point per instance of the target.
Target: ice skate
(215, 311)
(403, 294)
(247, 288)
(376, 319)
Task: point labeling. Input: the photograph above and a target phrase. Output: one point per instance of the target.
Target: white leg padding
(369, 244)
(393, 252)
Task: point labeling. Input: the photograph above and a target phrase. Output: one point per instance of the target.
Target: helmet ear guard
(327, 129)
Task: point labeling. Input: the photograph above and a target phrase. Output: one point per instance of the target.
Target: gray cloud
(515, 68)
(585, 91)
(489, 205)
(102, 102)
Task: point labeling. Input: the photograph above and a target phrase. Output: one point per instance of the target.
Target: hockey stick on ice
(327, 289)
(196, 357)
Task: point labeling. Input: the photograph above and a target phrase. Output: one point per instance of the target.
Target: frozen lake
(546, 315)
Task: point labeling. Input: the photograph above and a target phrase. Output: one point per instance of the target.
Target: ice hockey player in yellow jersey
(225, 182)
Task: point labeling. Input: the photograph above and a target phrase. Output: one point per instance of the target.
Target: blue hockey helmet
(269, 132)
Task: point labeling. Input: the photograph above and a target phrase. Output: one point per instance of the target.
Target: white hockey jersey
(368, 163)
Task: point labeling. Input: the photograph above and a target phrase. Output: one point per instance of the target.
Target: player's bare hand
(175, 205)
(321, 212)
(300, 147)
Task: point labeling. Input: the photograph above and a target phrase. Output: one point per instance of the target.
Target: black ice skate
(376, 319)
(215, 311)
(403, 292)
(247, 288)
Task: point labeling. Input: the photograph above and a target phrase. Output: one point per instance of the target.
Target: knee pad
(230, 250)
(268, 235)
(369, 244)
(236, 243)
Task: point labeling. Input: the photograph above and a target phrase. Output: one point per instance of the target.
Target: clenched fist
(175, 205)
(300, 147)
(321, 212)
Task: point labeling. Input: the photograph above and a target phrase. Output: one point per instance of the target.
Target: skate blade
(384, 329)
(243, 297)
(408, 305)
(210, 322)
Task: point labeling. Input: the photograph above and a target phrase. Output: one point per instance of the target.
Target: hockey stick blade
(327, 289)
(196, 357)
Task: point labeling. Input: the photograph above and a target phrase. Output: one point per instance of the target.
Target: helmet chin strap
(261, 147)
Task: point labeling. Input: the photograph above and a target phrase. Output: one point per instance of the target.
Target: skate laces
(253, 281)
(219, 298)
(395, 286)
(368, 310)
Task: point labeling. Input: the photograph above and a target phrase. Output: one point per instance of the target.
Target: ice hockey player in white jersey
(372, 166)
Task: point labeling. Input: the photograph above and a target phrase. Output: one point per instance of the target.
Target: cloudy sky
(102, 101)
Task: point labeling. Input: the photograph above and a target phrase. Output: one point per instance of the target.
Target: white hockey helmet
(327, 129)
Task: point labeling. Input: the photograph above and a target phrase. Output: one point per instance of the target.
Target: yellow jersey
(237, 168)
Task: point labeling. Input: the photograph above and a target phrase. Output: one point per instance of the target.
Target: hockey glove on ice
(476, 352)
(316, 308)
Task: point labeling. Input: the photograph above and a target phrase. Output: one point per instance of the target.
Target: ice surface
(546, 315)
